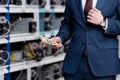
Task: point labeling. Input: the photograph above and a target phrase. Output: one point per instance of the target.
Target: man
(93, 50)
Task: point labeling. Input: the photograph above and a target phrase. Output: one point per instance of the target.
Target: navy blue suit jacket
(101, 45)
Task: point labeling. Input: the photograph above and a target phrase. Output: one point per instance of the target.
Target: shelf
(20, 37)
(55, 10)
(49, 33)
(20, 9)
(27, 36)
(17, 66)
(61, 78)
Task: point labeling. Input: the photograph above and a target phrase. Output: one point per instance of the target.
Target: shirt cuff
(106, 26)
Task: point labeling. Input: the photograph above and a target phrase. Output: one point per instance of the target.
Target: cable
(19, 75)
(33, 2)
(8, 57)
(2, 2)
(34, 74)
(8, 2)
(59, 51)
(28, 50)
(30, 45)
(42, 3)
(3, 35)
(28, 54)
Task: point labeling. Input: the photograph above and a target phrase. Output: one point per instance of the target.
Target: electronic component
(2, 19)
(32, 27)
(33, 51)
(16, 2)
(16, 55)
(50, 72)
(48, 25)
(55, 3)
(25, 25)
(32, 2)
(4, 26)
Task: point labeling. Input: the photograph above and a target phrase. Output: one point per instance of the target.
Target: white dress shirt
(94, 3)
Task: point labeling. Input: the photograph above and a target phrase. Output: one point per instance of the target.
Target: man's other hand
(58, 42)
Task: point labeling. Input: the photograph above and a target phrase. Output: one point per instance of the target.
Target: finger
(54, 40)
(89, 20)
(90, 13)
(96, 10)
(1, 51)
(57, 46)
(89, 17)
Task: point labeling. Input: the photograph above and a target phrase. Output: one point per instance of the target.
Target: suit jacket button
(87, 29)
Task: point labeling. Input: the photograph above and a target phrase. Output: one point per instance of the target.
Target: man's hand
(95, 16)
(58, 41)
(1, 51)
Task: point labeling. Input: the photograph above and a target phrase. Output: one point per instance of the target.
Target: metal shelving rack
(14, 38)
(23, 8)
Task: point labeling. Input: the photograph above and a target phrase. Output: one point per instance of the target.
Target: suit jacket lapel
(100, 4)
(80, 8)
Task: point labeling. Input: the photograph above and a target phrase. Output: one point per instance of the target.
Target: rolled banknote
(47, 40)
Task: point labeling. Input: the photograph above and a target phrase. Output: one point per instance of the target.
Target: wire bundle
(6, 28)
(2, 58)
(28, 50)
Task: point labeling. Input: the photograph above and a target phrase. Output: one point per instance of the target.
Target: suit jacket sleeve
(114, 24)
(65, 30)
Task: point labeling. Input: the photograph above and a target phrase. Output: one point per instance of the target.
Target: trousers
(85, 73)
